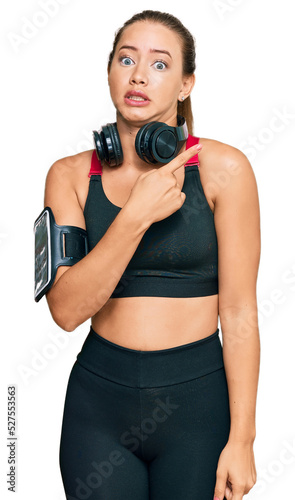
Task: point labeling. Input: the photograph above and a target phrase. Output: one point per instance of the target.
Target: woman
(156, 407)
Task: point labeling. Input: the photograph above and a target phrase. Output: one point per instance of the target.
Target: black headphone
(155, 142)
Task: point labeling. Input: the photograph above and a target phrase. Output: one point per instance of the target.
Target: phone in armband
(55, 246)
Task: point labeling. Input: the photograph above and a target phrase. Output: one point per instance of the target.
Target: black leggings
(141, 425)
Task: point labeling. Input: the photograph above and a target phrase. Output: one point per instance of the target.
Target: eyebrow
(160, 51)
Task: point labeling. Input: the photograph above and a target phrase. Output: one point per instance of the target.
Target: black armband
(55, 246)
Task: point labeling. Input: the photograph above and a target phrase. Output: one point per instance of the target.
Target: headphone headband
(181, 129)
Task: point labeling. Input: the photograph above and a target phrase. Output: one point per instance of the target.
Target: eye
(160, 65)
(126, 61)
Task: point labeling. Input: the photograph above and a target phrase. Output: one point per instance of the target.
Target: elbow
(67, 324)
(63, 318)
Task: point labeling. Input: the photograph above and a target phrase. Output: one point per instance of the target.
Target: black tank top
(177, 256)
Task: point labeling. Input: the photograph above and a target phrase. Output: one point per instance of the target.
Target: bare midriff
(153, 323)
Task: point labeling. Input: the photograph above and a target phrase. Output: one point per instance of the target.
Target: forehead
(146, 35)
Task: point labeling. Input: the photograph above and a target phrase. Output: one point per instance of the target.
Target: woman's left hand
(236, 471)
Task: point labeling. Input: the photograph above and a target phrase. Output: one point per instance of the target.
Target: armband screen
(55, 246)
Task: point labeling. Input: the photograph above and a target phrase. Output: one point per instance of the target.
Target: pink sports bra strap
(96, 167)
(191, 141)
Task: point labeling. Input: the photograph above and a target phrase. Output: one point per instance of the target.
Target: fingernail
(215, 498)
(198, 146)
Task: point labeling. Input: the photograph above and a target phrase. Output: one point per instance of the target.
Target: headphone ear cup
(108, 145)
(98, 142)
(156, 142)
(143, 141)
(116, 157)
(165, 145)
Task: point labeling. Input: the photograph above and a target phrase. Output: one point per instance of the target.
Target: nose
(139, 75)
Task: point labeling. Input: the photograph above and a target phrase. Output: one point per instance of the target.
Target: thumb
(220, 486)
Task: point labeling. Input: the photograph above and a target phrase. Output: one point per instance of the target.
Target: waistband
(157, 368)
(133, 286)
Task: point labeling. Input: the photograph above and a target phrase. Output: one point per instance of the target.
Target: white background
(54, 93)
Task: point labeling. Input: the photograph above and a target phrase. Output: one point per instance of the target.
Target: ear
(188, 83)
(109, 71)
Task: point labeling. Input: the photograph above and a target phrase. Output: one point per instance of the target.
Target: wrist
(133, 220)
(246, 438)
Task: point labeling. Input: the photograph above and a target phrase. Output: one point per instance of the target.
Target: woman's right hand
(156, 194)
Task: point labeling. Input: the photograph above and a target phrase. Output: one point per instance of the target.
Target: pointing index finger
(182, 158)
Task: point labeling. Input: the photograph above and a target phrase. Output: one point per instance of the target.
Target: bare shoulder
(66, 180)
(70, 168)
(219, 164)
(215, 153)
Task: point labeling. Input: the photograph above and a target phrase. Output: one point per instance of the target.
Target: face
(146, 77)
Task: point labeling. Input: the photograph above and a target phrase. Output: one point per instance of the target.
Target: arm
(237, 222)
(78, 292)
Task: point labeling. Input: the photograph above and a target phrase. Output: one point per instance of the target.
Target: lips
(136, 96)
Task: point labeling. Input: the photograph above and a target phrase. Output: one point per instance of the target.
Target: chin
(135, 118)
(138, 117)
